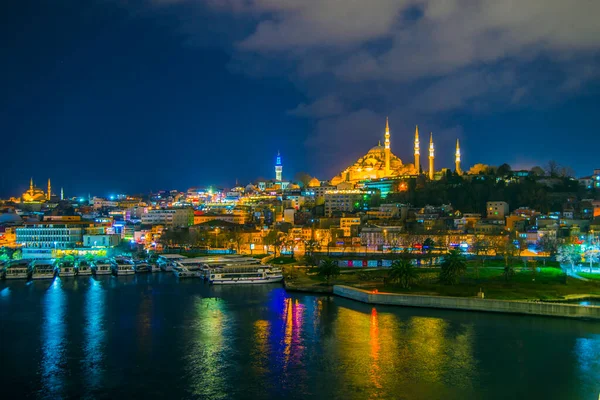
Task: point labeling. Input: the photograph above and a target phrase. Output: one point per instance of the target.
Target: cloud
(324, 107)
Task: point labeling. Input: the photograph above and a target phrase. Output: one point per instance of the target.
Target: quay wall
(470, 304)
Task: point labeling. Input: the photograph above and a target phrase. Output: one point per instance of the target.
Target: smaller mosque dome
(314, 182)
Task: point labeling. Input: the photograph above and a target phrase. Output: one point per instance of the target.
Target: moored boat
(65, 268)
(41, 269)
(123, 266)
(245, 274)
(142, 267)
(102, 267)
(183, 272)
(17, 270)
(83, 267)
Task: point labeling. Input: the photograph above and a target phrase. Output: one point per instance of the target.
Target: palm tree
(329, 269)
(453, 267)
(403, 272)
(429, 244)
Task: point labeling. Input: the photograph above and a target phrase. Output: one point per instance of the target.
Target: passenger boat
(245, 274)
(66, 268)
(183, 272)
(141, 267)
(17, 270)
(41, 269)
(123, 266)
(102, 267)
(83, 267)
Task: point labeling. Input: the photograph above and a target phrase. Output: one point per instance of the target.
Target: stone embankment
(470, 304)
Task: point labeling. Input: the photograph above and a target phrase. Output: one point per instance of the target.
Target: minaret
(62, 194)
(49, 191)
(387, 147)
(31, 185)
(431, 157)
(457, 159)
(417, 151)
(278, 168)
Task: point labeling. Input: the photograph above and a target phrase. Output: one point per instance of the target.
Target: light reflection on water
(53, 361)
(209, 348)
(262, 343)
(94, 334)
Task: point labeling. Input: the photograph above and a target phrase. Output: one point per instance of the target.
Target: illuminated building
(49, 194)
(175, 217)
(347, 223)
(496, 209)
(431, 158)
(379, 162)
(34, 194)
(345, 200)
(41, 239)
(278, 168)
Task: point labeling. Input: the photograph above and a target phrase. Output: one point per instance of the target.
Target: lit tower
(31, 185)
(62, 194)
(278, 168)
(417, 151)
(387, 147)
(431, 157)
(49, 190)
(457, 159)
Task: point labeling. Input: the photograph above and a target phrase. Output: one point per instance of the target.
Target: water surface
(152, 336)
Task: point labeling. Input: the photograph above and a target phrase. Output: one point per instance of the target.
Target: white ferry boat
(102, 267)
(65, 268)
(17, 270)
(83, 267)
(245, 274)
(183, 272)
(42, 269)
(142, 267)
(123, 266)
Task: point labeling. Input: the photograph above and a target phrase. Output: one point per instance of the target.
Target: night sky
(109, 96)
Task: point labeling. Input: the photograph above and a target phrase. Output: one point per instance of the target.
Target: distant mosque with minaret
(37, 195)
(380, 162)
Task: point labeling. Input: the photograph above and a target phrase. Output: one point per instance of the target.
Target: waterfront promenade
(470, 304)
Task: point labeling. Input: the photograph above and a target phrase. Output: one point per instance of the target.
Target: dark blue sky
(109, 96)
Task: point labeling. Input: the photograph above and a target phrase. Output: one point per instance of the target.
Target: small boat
(123, 266)
(245, 274)
(17, 270)
(83, 267)
(102, 267)
(66, 268)
(183, 272)
(41, 269)
(155, 267)
(142, 267)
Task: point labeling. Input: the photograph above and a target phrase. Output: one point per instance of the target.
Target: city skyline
(118, 90)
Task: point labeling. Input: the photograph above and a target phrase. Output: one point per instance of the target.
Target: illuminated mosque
(35, 194)
(380, 162)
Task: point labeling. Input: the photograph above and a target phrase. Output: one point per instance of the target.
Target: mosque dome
(314, 182)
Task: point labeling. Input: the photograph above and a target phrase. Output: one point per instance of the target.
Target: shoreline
(549, 309)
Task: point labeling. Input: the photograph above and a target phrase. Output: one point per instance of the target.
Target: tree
(303, 178)
(17, 255)
(271, 238)
(403, 272)
(537, 171)
(310, 246)
(548, 245)
(428, 245)
(237, 238)
(280, 241)
(329, 269)
(503, 170)
(552, 169)
(4, 258)
(481, 246)
(453, 267)
(592, 254)
(568, 254)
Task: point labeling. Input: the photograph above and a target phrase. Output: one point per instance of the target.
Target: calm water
(151, 336)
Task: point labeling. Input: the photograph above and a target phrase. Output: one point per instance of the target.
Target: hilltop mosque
(380, 162)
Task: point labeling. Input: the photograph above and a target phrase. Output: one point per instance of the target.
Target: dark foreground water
(151, 336)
